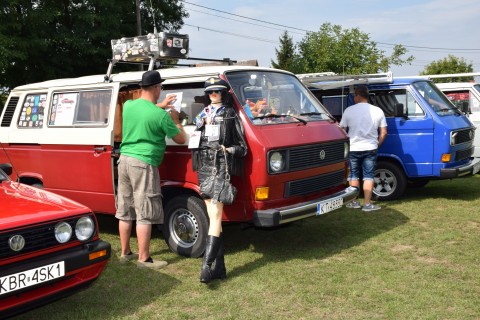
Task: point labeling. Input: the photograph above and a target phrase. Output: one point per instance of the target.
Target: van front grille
(464, 154)
(465, 135)
(319, 183)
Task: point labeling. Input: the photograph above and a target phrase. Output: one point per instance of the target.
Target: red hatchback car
(49, 246)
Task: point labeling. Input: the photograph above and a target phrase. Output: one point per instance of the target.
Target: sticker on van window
(63, 110)
(31, 115)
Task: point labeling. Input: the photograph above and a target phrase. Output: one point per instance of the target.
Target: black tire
(185, 226)
(390, 181)
(38, 185)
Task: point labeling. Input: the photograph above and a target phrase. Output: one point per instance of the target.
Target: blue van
(428, 137)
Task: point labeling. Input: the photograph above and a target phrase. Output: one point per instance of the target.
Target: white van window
(190, 99)
(84, 108)
(31, 115)
(464, 100)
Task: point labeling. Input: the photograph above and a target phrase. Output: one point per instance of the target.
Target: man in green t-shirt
(145, 126)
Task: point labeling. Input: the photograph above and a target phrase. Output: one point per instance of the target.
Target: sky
(250, 29)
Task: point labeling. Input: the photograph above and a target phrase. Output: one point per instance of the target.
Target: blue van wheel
(390, 181)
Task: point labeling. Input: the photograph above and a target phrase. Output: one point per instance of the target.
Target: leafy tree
(449, 65)
(41, 40)
(348, 51)
(286, 53)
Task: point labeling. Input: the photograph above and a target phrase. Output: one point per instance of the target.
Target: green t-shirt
(144, 129)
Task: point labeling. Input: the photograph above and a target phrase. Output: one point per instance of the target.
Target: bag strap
(214, 170)
(227, 174)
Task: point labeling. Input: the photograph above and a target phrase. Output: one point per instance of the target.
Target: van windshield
(437, 100)
(270, 97)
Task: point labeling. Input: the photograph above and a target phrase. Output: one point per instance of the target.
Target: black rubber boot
(209, 257)
(218, 269)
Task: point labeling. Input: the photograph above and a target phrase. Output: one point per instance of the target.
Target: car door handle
(99, 149)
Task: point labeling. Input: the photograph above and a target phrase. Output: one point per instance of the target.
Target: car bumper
(80, 271)
(277, 216)
(470, 169)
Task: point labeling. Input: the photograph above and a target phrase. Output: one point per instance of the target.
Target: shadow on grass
(313, 238)
(460, 189)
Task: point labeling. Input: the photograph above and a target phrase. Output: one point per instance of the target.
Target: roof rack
(329, 80)
(450, 75)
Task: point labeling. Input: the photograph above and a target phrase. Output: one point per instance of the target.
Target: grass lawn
(417, 258)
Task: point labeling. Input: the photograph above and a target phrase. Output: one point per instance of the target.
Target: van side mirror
(399, 111)
(6, 167)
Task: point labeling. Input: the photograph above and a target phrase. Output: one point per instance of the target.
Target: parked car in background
(49, 246)
(466, 97)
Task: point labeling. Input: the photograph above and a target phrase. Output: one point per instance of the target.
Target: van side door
(410, 138)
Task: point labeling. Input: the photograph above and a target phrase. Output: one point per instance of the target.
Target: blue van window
(435, 98)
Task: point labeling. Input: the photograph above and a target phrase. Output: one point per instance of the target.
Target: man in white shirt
(367, 129)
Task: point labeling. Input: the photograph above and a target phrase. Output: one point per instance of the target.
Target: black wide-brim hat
(215, 83)
(150, 78)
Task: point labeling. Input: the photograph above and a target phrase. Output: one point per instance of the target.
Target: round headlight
(63, 232)
(346, 150)
(84, 228)
(276, 161)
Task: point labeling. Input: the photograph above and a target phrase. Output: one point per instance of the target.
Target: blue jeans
(366, 160)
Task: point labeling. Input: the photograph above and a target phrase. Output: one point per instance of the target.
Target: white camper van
(466, 96)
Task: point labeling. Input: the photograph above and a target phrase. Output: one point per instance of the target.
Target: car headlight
(84, 228)
(346, 150)
(276, 162)
(63, 232)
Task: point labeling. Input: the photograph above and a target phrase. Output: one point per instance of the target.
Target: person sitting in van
(144, 129)
(221, 138)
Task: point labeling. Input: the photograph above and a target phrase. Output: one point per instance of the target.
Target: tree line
(42, 40)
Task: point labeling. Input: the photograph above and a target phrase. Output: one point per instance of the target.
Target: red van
(49, 246)
(63, 135)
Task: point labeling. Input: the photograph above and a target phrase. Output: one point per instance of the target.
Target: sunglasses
(214, 91)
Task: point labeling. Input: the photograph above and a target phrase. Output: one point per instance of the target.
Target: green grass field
(417, 258)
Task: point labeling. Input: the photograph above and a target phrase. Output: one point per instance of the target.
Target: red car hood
(21, 204)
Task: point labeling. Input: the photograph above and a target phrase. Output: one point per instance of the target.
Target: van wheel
(186, 225)
(38, 185)
(389, 182)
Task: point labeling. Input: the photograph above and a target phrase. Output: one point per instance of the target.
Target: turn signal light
(261, 193)
(96, 255)
(446, 157)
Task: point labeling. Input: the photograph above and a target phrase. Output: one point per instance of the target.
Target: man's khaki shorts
(139, 194)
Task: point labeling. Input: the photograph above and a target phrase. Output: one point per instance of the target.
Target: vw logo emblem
(322, 155)
(17, 242)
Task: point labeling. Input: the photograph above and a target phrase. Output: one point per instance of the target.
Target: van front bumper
(470, 169)
(277, 216)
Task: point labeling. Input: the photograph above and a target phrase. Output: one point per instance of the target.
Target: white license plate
(330, 205)
(31, 277)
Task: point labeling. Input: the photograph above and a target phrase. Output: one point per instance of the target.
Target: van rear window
(83, 108)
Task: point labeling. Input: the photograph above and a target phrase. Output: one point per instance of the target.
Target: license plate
(330, 205)
(31, 277)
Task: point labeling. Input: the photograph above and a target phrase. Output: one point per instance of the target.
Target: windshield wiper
(272, 115)
(318, 114)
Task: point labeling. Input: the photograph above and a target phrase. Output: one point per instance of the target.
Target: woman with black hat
(222, 138)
